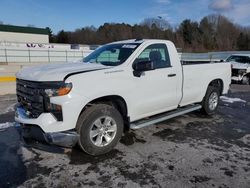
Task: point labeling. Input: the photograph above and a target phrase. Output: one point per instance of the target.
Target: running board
(165, 116)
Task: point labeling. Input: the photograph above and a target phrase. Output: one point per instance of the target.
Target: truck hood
(240, 65)
(57, 71)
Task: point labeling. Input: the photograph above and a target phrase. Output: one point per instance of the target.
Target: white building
(19, 34)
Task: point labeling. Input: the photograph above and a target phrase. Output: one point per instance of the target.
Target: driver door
(156, 90)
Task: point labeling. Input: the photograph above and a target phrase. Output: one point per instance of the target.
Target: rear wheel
(211, 100)
(100, 128)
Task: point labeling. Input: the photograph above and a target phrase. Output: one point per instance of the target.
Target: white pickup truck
(240, 68)
(122, 85)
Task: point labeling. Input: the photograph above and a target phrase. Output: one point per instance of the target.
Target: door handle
(171, 75)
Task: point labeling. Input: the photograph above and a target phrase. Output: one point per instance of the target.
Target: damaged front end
(32, 131)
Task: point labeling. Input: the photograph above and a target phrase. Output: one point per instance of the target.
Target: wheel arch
(218, 83)
(114, 100)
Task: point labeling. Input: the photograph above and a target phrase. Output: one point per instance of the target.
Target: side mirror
(222, 60)
(142, 66)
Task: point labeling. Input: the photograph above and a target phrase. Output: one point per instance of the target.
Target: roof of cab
(137, 41)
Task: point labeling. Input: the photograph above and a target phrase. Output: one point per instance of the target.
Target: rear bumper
(32, 128)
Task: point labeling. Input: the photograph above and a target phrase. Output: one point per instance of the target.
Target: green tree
(51, 35)
(191, 35)
(207, 34)
(62, 37)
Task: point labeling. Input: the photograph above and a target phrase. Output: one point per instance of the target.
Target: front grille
(29, 96)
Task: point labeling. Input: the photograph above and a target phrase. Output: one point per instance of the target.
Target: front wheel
(100, 128)
(211, 101)
(246, 80)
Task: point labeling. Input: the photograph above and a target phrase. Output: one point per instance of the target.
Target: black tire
(206, 108)
(85, 125)
(246, 80)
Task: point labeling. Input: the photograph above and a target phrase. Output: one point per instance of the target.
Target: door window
(157, 53)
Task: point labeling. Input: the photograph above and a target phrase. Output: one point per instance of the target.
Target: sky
(72, 14)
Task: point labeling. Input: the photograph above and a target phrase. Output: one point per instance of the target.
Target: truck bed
(197, 76)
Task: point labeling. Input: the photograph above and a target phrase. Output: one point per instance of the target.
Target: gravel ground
(188, 151)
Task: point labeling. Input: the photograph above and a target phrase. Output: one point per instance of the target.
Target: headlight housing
(63, 90)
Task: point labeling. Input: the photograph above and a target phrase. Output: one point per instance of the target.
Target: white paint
(55, 72)
(198, 76)
(152, 93)
(231, 100)
(242, 68)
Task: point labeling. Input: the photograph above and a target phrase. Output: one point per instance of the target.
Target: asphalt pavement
(193, 150)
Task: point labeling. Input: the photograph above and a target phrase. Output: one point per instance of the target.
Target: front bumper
(31, 128)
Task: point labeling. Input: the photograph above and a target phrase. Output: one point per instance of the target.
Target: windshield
(239, 59)
(111, 54)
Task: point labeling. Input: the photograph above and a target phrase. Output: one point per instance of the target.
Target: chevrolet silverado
(120, 86)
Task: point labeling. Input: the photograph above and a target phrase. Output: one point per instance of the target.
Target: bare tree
(213, 32)
(159, 22)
